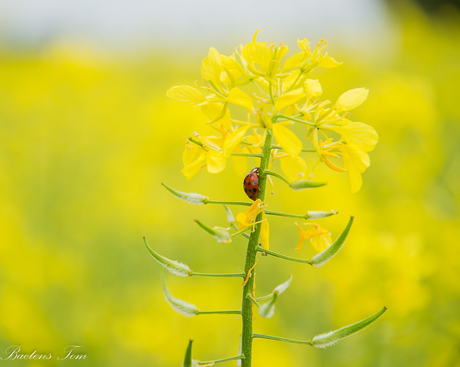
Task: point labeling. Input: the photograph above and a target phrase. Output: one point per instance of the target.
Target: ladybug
(251, 183)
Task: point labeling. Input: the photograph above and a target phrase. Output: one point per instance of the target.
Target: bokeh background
(87, 135)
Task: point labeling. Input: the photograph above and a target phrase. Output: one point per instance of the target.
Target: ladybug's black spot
(254, 190)
(246, 190)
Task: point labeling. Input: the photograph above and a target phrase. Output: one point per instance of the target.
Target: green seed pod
(182, 307)
(172, 266)
(328, 339)
(329, 253)
(191, 198)
(188, 355)
(268, 309)
(220, 234)
(306, 184)
(319, 215)
(230, 217)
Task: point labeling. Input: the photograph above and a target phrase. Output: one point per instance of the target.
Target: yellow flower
(248, 218)
(212, 150)
(356, 161)
(287, 139)
(320, 239)
(308, 60)
(312, 88)
(355, 133)
(262, 60)
(294, 168)
(186, 94)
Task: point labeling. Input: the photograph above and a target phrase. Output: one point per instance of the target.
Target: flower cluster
(277, 95)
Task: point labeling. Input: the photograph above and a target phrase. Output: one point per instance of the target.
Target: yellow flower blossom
(320, 239)
(248, 218)
(294, 168)
(312, 88)
(356, 161)
(287, 139)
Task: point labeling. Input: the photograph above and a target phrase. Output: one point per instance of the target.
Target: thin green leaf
(328, 339)
(329, 253)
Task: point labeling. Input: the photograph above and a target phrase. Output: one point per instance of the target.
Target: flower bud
(191, 198)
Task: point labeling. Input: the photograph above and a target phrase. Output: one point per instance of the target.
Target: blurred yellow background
(86, 140)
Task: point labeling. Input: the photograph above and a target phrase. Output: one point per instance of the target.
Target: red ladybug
(251, 183)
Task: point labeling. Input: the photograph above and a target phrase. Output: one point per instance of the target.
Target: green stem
(298, 120)
(275, 254)
(195, 141)
(222, 360)
(235, 227)
(253, 244)
(224, 275)
(271, 173)
(268, 296)
(263, 336)
(279, 214)
(257, 155)
(225, 312)
(303, 150)
(227, 202)
(253, 300)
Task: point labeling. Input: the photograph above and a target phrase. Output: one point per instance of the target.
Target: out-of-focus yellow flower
(186, 94)
(351, 99)
(312, 88)
(320, 239)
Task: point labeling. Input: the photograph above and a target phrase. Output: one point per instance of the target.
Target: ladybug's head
(256, 170)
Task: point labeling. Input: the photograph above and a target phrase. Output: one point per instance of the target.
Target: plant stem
(228, 202)
(303, 261)
(222, 360)
(271, 173)
(279, 214)
(253, 244)
(224, 275)
(225, 312)
(303, 150)
(263, 336)
(253, 300)
(256, 155)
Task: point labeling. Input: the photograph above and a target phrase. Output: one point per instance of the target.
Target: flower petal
(287, 139)
(186, 94)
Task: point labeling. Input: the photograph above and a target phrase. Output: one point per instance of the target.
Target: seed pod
(329, 253)
(220, 234)
(172, 266)
(182, 307)
(306, 184)
(191, 198)
(319, 215)
(188, 355)
(328, 339)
